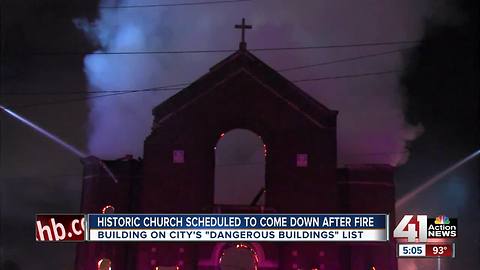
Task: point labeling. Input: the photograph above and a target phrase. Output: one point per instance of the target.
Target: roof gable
(244, 61)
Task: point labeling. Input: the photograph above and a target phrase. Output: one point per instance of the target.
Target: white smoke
(371, 124)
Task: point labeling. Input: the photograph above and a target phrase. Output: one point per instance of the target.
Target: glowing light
(406, 198)
(252, 251)
(221, 135)
(255, 256)
(104, 264)
(108, 209)
(220, 260)
(158, 267)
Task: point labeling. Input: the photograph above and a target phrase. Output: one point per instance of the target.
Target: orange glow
(255, 256)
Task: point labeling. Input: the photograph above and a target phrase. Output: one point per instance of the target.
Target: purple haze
(371, 123)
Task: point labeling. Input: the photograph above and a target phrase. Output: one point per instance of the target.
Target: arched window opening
(104, 264)
(239, 256)
(239, 168)
(108, 209)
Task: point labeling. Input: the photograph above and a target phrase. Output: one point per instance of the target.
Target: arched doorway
(104, 264)
(238, 257)
(239, 168)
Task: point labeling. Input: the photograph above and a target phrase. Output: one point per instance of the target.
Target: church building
(177, 175)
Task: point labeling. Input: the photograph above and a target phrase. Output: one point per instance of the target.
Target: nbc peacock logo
(442, 227)
(442, 220)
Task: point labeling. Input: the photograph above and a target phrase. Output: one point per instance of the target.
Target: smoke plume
(371, 125)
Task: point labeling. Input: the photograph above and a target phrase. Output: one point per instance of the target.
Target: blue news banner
(237, 227)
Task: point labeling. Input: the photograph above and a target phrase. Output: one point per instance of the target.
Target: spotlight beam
(56, 139)
(409, 196)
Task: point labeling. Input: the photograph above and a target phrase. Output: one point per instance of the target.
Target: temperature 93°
(439, 250)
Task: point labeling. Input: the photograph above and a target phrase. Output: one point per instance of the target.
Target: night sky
(422, 118)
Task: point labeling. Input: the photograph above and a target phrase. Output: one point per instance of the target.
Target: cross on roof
(243, 26)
